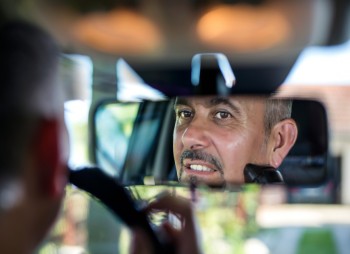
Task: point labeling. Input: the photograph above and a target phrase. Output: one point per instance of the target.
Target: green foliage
(225, 218)
(318, 241)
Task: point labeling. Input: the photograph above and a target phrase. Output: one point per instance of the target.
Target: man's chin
(202, 180)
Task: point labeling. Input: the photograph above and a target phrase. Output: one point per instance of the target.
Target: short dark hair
(28, 66)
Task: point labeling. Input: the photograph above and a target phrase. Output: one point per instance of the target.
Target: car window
(86, 226)
(115, 130)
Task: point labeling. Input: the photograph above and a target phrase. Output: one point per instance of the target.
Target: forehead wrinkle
(237, 107)
(233, 104)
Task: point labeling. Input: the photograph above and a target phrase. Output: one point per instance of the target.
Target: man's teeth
(200, 168)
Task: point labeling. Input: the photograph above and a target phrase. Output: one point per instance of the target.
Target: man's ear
(282, 139)
(49, 168)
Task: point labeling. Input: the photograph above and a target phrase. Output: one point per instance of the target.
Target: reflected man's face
(215, 137)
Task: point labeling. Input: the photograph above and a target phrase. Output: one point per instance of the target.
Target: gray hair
(276, 110)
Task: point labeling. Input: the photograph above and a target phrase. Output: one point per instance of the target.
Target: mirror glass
(213, 140)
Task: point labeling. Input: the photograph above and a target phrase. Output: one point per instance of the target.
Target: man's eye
(184, 114)
(223, 115)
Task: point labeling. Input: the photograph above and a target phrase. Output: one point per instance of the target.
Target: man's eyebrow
(226, 101)
(181, 101)
(210, 103)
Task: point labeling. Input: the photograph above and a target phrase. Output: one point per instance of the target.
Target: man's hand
(184, 239)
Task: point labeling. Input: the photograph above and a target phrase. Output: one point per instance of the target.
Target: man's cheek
(237, 144)
(177, 153)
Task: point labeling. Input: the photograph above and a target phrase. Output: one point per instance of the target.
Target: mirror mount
(211, 73)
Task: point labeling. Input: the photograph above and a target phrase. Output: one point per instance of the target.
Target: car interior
(123, 65)
(151, 143)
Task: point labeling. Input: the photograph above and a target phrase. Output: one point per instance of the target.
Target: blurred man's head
(32, 157)
(216, 137)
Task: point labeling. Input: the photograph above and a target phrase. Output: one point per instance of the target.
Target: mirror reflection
(213, 140)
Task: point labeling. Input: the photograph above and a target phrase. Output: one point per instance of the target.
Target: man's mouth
(199, 163)
(199, 167)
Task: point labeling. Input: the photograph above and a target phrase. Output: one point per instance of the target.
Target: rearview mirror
(213, 140)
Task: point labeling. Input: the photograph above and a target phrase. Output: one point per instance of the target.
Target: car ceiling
(259, 35)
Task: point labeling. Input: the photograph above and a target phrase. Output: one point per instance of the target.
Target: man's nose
(195, 136)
